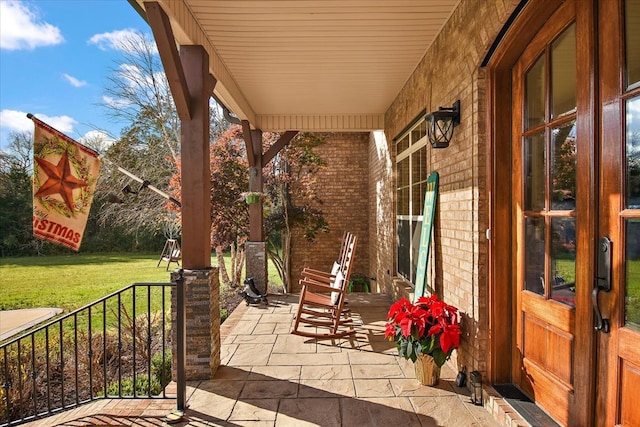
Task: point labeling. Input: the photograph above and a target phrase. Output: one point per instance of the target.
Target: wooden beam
(246, 133)
(161, 28)
(256, 222)
(196, 168)
(210, 84)
(256, 141)
(284, 139)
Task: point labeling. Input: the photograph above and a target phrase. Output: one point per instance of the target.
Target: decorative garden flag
(428, 214)
(65, 174)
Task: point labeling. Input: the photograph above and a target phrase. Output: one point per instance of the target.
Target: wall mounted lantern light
(440, 125)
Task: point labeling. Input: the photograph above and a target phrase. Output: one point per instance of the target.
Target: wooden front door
(545, 167)
(575, 144)
(618, 349)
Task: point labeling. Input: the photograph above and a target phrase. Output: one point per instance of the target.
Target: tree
(229, 216)
(294, 203)
(633, 169)
(564, 166)
(138, 94)
(16, 204)
(291, 204)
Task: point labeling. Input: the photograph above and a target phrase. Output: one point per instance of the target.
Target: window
(411, 177)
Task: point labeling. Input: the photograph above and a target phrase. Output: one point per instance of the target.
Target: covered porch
(269, 377)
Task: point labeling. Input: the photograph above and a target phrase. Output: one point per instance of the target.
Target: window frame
(417, 146)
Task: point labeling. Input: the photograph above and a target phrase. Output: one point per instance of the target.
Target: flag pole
(145, 184)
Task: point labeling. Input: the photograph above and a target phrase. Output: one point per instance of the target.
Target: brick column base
(202, 305)
(256, 264)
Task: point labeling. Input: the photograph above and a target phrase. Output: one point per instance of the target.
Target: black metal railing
(116, 347)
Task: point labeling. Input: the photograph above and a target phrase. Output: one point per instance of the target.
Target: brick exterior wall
(451, 70)
(344, 191)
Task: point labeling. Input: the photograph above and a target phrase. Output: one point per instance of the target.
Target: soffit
(310, 64)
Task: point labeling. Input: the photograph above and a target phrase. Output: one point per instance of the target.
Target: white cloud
(115, 103)
(133, 76)
(97, 139)
(17, 121)
(62, 123)
(73, 81)
(118, 40)
(21, 28)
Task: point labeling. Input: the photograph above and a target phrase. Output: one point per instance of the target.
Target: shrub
(142, 387)
(161, 371)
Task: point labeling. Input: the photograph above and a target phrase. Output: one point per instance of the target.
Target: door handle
(602, 324)
(602, 282)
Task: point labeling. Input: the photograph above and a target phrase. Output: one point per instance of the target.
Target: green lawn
(632, 308)
(72, 281)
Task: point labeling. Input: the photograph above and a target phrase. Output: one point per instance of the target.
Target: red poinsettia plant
(430, 326)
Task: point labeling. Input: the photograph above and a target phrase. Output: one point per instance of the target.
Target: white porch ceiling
(321, 65)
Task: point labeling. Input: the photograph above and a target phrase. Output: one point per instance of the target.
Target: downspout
(226, 113)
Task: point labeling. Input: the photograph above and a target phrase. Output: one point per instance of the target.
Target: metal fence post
(181, 344)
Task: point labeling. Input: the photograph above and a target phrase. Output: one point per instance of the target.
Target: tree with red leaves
(229, 214)
(291, 200)
(294, 203)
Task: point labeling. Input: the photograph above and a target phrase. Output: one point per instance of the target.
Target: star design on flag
(60, 180)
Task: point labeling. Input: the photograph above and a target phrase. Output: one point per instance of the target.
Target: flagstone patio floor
(269, 377)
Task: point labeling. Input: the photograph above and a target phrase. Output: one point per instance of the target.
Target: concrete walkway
(13, 322)
(269, 377)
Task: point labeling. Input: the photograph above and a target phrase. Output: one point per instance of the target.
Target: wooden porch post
(196, 352)
(256, 183)
(253, 143)
(196, 170)
(256, 247)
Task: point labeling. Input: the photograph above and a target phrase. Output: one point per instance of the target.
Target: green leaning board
(428, 214)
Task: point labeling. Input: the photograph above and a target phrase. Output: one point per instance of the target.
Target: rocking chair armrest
(312, 275)
(308, 270)
(317, 285)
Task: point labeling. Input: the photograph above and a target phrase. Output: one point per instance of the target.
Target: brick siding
(344, 185)
(451, 70)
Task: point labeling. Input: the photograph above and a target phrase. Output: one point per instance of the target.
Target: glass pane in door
(563, 260)
(563, 167)
(535, 87)
(534, 243)
(632, 226)
(632, 40)
(633, 154)
(534, 172)
(563, 73)
(632, 282)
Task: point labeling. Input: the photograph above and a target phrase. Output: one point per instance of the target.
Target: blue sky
(55, 56)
